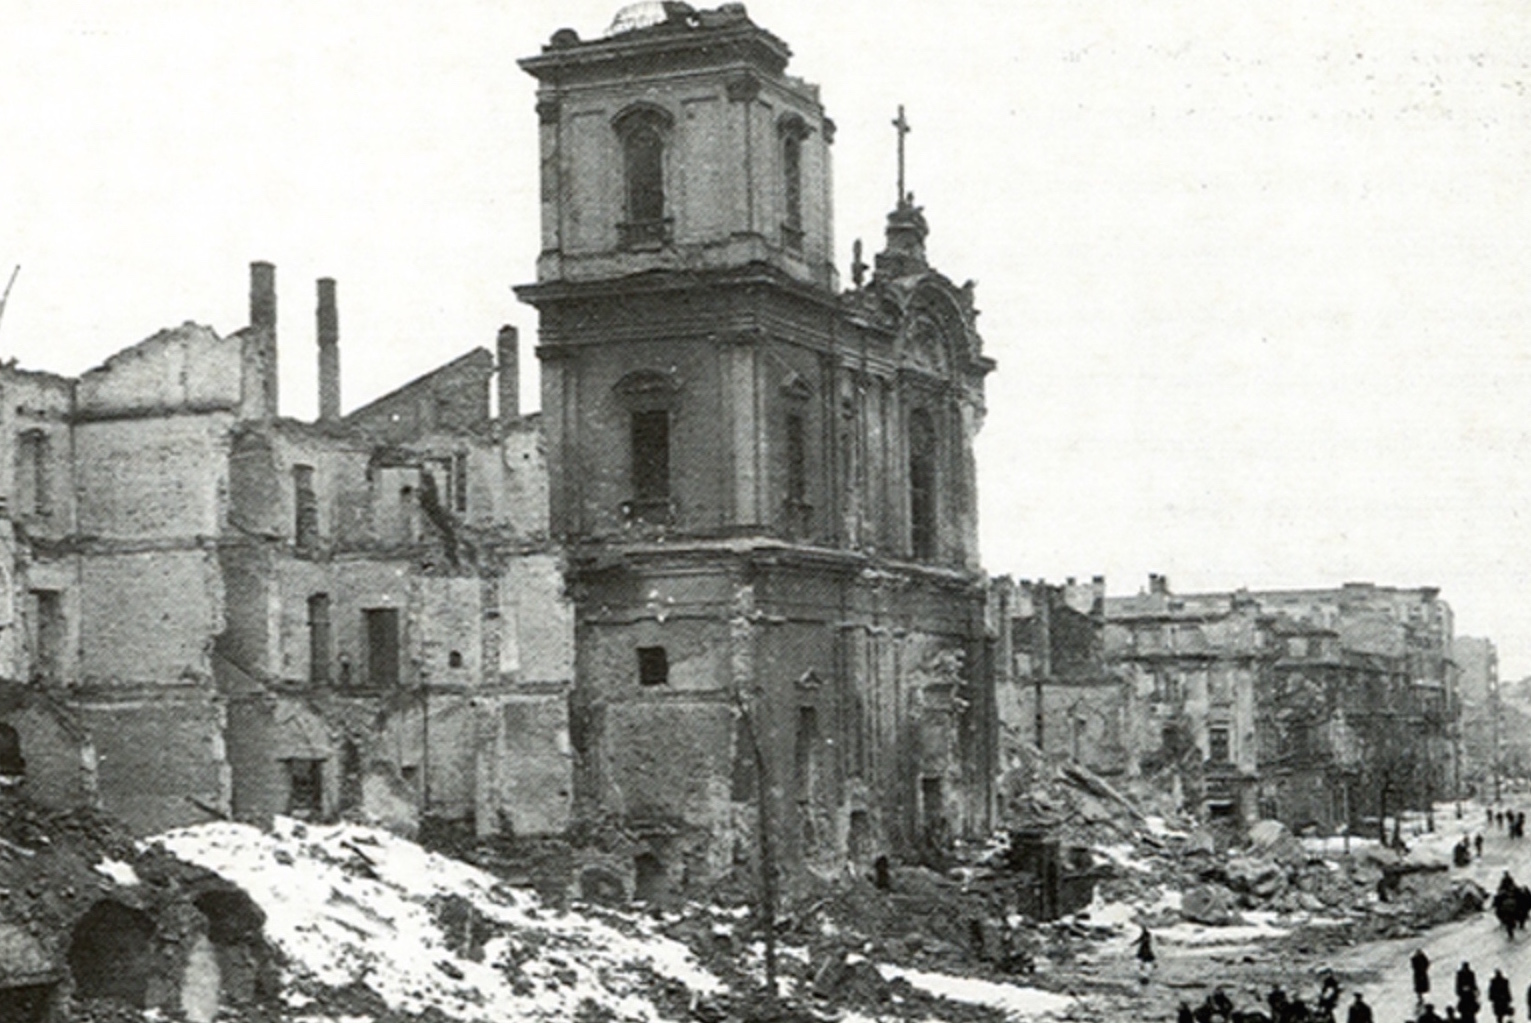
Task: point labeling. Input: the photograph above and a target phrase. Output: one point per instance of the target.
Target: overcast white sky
(1257, 275)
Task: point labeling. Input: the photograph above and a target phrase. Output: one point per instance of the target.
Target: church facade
(764, 484)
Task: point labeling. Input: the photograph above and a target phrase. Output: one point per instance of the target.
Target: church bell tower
(764, 484)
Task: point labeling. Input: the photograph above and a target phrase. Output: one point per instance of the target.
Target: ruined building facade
(728, 577)
(1319, 707)
(211, 610)
(765, 484)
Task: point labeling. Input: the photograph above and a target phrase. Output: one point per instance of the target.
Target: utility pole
(1493, 697)
(1042, 665)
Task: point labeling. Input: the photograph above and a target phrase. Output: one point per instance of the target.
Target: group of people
(1218, 1007)
(1511, 821)
(1500, 999)
(1462, 852)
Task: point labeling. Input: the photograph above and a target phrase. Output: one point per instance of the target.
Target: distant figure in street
(1528, 1001)
(1420, 964)
(1277, 1001)
(1145, 957)
(1467, 994)
(1184, 1014)
(1328, 995)
(1222, 1005)
(1499, 819)
(1478, 844)
(1359, 1012)
(1499, 997)
(1429, 1015)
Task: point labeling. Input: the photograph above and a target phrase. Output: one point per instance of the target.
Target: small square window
(653, 666)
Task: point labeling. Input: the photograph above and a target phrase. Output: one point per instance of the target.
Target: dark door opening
(383, 647)
(305, 789)
(110, 954)
(649, 880)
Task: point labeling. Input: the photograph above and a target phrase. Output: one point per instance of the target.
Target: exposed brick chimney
(263, 296)
(329, 352)
(258, 399)
(507, 345)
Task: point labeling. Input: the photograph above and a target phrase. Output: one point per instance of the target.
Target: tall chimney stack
(259, 399)
(507, 345)
(329, 352)
(263, 296)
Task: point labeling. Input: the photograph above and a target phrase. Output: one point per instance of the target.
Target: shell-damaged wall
(419, 518)
(193, 594)
(858, 688)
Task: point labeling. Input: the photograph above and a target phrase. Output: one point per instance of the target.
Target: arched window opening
(792, 131)
(643, 135)
(922, 484)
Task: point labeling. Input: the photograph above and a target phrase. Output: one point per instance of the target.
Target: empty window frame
(382, 647)
(1217, 744)
(319, 638)
(32, 460)
(653, 666)
(922, 484)
(642, 133)
(305, 508)
(460, 482)
(48, 630)
(651, 462)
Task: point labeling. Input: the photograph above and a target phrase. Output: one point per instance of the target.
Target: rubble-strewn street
(342, 922)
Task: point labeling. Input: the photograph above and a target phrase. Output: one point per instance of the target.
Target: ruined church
(727, 578)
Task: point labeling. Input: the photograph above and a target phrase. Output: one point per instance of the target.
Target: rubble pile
(101, 929)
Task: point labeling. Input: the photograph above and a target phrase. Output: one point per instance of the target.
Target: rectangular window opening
(32, 465)
(48, 636)
(1217, 745)
(319, 638)
(653, 666)
(797, 474)
(460, 482)
(651, 463)
(305, 507)
(382, 647)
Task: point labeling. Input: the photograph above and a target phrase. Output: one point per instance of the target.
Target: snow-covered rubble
(350, 904)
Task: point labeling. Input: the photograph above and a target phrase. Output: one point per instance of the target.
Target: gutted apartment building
(214, 610)
(1315, 707)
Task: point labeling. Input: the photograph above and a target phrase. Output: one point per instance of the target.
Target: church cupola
(676, 141)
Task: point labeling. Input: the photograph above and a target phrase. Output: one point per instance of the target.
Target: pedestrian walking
(1277, 1001)
(1420, 964)
(1467, 994)
(1145, 957)
(1184, 1013)
(1429, 1015)
(1359, 1012)
(1478, 844)
(1499, 997)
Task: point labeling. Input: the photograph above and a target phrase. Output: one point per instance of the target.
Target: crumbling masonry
(729, 575)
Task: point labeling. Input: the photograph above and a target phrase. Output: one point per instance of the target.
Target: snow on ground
(1122, 855)
(120, 872)
(346, 903)
(1019, 1002)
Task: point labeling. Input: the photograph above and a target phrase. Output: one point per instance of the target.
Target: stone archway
(111, 952)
